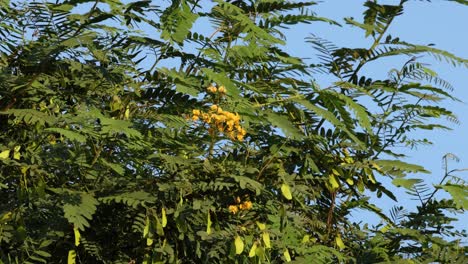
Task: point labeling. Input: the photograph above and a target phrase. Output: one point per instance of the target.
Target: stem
(387, 143)
(447, 173)
(386, 111)
(330, 211)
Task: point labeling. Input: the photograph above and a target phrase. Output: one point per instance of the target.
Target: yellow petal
(233, 209)
(286, 191)
(239, 244)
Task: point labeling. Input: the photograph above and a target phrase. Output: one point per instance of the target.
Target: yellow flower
(236, 117)
(214, 108)
(233, 209)
(242, 132)
(230, 125)
(222, 89)
(240, 137)
(247, 205)
(229, 115)
(196, 112)
(195, 118)
(206, 118)
(219, 118)
(211, 89)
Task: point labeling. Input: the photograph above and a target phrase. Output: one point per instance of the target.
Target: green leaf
(115, 167)
(406, 183)
(286, 126)
(398, 166)
(5, 154)
(330, 117)
(286, 255)
(253, 250)
(266, 239)
(71, 257)
(79, 208)
(239, 245)
(339, 242)
(77, 236)
(177, 22)
(208, 223)
(286, 191)
(163, 217)
(459, 194)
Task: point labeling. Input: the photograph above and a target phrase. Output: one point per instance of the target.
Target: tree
(223, 149)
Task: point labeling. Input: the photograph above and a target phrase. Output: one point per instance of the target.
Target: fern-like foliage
(187, 132)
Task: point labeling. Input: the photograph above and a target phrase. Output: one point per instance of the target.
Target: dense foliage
(130, 135)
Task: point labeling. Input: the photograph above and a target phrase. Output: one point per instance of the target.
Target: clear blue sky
(440, 22)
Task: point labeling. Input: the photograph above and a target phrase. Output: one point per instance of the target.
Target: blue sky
(442, 23)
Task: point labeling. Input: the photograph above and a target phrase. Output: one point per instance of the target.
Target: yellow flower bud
(230, 124)
(233, 209)
(219, 118)
(211, 89)
(222, 89)
(236, 117)
(214, 108)
(247, 205)
(229, 115)
(243, 132)
(206, 118)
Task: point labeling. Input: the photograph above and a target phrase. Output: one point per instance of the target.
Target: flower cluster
(246, 205)
(221, 121)
(213, 89)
